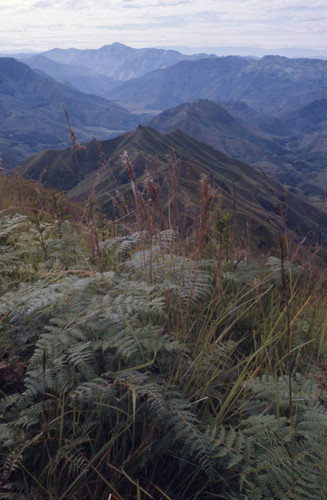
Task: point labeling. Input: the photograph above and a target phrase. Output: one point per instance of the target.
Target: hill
(243, 189)
(270, 85)
(119, 61)
(32, 117)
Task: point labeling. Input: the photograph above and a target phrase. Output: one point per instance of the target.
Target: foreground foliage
(141, 362)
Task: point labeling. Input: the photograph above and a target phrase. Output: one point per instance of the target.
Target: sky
(39, 25)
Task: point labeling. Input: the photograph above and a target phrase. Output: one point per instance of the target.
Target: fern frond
(180, 425)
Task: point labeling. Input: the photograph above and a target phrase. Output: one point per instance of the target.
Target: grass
(155, 355)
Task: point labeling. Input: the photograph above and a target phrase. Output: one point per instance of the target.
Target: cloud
(41, 24)
(41, 5)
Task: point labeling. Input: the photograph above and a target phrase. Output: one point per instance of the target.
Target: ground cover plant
(156, 354)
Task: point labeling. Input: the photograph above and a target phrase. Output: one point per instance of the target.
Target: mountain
(244, 190)
(119, 61)
(32, 118)
(84, 79)
(296, 158)
(271, 85)
(210, 123)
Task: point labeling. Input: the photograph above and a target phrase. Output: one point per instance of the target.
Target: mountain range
(120, 62)
(270, 85)
(162, 287)
(159, 79)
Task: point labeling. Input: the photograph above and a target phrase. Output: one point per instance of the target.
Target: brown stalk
(173, 179)
(90, 223)
(76, 145)
(207, 215)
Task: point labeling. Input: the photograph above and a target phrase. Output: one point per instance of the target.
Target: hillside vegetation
(154, 355)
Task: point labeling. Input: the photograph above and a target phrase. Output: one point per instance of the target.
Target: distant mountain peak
(115, 45)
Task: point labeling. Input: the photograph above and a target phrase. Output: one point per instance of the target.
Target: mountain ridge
(243, 189)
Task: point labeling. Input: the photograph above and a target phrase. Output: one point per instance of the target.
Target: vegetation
(154, 355)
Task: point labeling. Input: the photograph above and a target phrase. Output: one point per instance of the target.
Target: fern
(128, 367)
(260, 446)
(179, 425)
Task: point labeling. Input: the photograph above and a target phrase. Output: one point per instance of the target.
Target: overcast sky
(43, 24)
